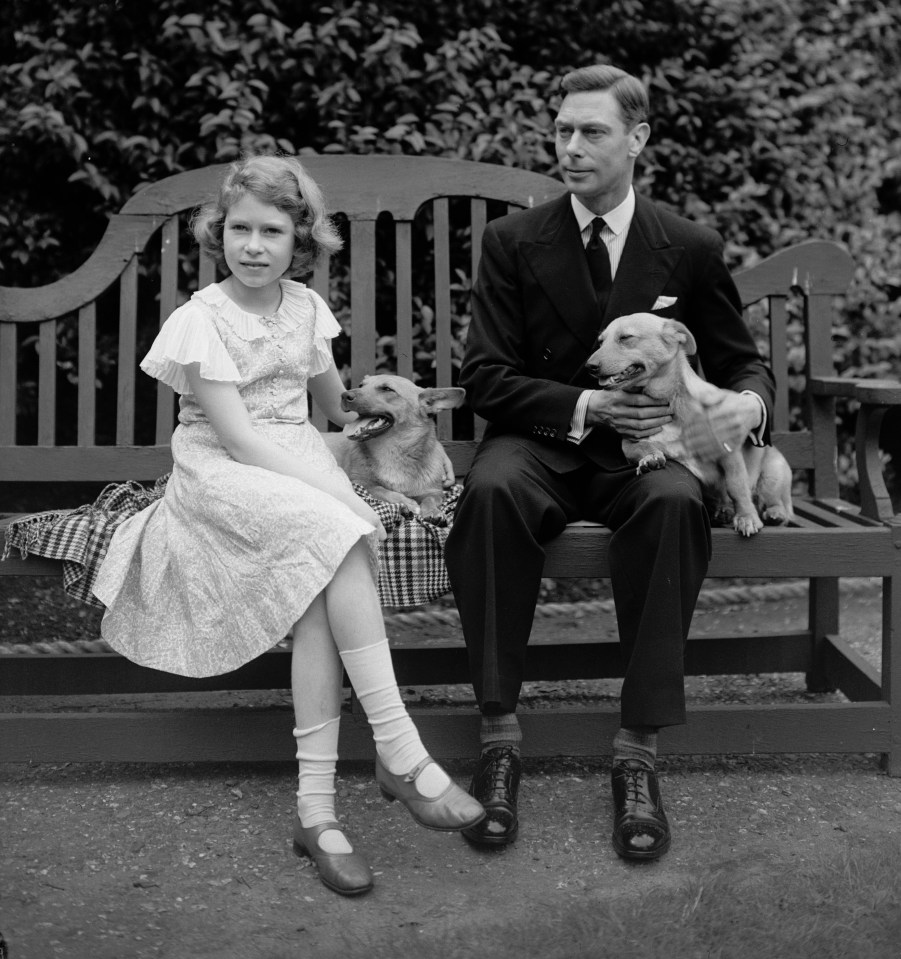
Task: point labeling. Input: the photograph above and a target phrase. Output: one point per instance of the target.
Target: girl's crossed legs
(343, 629)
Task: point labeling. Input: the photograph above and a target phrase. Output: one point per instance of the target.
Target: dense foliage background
(773, 120)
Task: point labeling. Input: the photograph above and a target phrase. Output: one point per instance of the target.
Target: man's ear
(639, 136)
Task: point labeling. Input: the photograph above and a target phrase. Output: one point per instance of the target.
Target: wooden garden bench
(413, 228)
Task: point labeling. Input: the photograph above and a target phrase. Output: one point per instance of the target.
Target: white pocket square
(662, 302)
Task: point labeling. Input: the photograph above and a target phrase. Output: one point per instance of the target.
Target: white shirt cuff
(758, 433)
(577, 428)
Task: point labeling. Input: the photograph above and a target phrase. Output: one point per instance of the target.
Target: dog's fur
(649, 354)
(393, 449)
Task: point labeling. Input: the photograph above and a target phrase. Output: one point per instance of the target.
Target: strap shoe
(495, 784)
(347, 872)
(450, 811)
(640, 827)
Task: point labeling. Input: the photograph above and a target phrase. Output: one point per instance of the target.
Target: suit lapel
(647, 263)
(557, 259)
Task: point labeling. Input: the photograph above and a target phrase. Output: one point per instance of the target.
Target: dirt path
(107, 861)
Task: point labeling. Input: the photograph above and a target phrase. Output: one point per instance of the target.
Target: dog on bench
(393, 449)
(646, 353)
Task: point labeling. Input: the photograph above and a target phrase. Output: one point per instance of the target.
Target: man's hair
(628, 91)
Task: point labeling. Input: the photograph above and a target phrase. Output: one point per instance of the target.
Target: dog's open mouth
(368, 426)
(614, 380)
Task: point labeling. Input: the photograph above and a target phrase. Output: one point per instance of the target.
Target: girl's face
(258, 242)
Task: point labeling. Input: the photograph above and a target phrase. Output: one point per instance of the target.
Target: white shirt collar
(618, 219)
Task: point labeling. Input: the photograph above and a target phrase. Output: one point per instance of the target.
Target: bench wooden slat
(403, 267)
(75, 464)
(165, 397)
(443, 326)
(362, 304)
(320, 283)
(47, 384)
(8, 383)
(258, 735)
(128, 322)
(87, 374)
(779, 362)
(206, 271)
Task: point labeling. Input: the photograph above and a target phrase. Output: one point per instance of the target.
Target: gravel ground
(107, 861)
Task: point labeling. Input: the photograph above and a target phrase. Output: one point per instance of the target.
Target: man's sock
(500, 729)
(636, 742)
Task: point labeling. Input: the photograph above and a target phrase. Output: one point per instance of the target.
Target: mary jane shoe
(452, 810)
(345, 872)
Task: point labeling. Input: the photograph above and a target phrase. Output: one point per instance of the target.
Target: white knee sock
(317, 754)
(396, 739)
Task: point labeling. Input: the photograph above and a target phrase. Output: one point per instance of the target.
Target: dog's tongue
(366, 427)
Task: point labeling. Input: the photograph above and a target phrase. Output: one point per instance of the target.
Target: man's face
(595, 150)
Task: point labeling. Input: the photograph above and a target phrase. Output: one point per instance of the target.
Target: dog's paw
(435, 517)
(775, 516)
(653, 461)
(747, 524)
(723, 515)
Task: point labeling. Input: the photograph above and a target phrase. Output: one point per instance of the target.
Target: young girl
(259, 532)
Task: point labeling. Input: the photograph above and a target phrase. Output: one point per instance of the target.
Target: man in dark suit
(549, 279)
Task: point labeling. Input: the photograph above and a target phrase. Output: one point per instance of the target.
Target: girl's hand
(449, 477)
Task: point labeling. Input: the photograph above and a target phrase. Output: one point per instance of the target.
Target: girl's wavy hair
(282, 182)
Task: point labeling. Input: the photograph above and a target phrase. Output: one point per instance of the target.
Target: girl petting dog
(260, 532)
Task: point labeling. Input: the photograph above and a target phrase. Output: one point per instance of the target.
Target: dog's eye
(626, 337)
(384, 388)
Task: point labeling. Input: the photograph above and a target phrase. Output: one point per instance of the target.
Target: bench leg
(822, 618)
(891, 672)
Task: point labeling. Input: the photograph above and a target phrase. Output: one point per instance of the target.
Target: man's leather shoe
(640, 827)
(495, 784)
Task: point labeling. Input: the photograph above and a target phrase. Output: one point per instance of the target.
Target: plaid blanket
(411, 568)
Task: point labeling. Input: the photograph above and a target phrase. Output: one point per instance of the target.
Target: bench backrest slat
(47, 384)
(403, 266)
(443, 332)
(165, 398)
(87, 374)
(778, 359)
(362, 298)
(8, 383)
(128, 326)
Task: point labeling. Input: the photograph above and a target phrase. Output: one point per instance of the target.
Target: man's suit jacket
(536, 320)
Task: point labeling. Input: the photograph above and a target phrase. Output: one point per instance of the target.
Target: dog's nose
(592, 369)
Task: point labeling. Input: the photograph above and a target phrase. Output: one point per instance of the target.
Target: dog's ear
(680, 333)
(441, 398)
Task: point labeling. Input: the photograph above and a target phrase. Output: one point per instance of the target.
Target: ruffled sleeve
(189, 336)
(326, 329)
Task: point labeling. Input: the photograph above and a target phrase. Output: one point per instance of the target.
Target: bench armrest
(876, 398)
(873, 392)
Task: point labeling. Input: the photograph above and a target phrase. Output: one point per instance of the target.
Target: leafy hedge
(773, 120)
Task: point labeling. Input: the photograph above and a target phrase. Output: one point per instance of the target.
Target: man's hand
(633, 415)
(728, 419)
